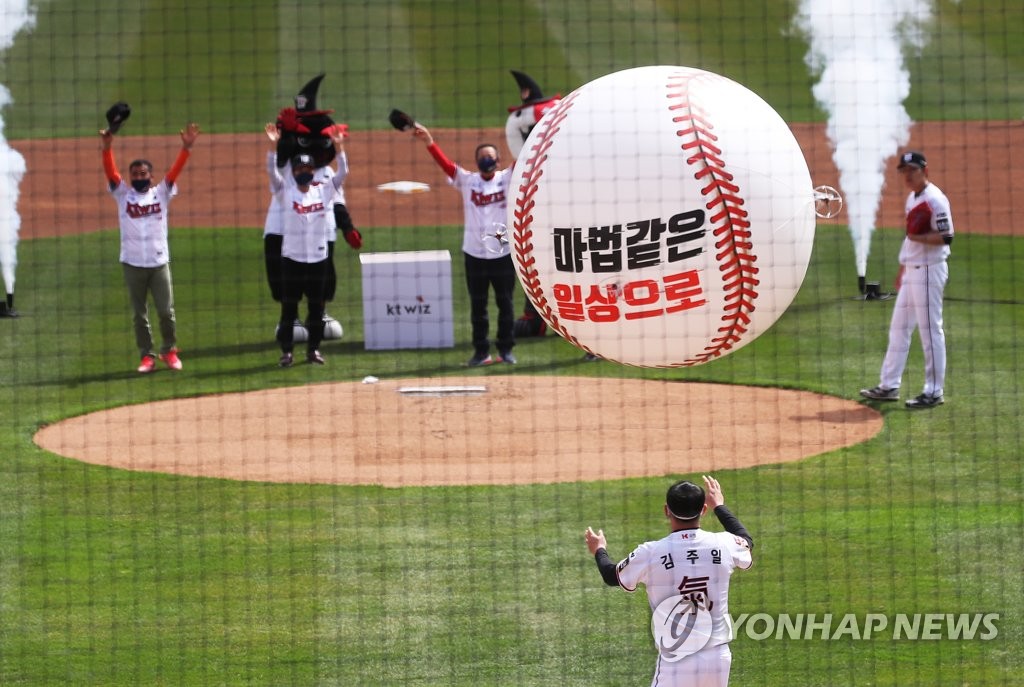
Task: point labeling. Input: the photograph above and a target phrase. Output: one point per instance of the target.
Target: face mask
(487, 164)
(304, 178)
(140, 185)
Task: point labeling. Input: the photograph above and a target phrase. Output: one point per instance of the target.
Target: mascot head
(305, 129)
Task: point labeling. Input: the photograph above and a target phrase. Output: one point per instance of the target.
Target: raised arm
(435, 151)
(598, 546)
(276, 180)
(338, 136)
(188, 137)
(109, 166)
(715, 500)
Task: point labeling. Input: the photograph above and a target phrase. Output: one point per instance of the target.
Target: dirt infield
(520, 430)
(577, 429)
(225, 184)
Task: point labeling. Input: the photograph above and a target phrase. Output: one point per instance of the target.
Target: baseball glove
(919, 220)
(401, 120)
(116, 116)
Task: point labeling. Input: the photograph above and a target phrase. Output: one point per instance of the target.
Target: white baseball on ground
(661, 216)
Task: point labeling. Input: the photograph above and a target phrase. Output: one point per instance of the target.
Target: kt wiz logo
(419, 307)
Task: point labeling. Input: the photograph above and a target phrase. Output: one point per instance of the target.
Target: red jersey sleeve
(442, 160)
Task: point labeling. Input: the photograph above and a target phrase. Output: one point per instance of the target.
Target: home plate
(442, 390)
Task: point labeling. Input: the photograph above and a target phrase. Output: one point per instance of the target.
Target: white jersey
(275, 218)
(484, 203)
(143, 221)
(932, 206)
(692, 567)
(304, 224)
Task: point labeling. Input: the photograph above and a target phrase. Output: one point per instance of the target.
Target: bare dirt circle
(520, 430)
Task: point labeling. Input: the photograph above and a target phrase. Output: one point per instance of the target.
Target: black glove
(401, 120)
(116, 116)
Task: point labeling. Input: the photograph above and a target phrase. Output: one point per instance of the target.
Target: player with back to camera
(305, 234)
(920, 283)
(484, 201)
(145, 254)
(687, 579)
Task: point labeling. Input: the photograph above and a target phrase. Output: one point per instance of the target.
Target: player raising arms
(687, 579)
(145, 256)
(305, 234)
(488, 256)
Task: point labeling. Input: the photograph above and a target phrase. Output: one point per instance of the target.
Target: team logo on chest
(307, 209)
(135, 210)
(480, 199)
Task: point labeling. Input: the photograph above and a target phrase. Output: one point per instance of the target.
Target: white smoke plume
(857, 50)
(15, 15)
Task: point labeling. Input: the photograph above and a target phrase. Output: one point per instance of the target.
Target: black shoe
(285, 360)
(507, 357)
(479, 359)
(877, 393)
(591, 358)
(925, 401)
(314, 358)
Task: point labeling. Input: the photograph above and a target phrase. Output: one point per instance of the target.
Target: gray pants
(141, 282)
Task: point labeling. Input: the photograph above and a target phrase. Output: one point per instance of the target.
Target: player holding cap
(487, 253)
(687, 579)
(920, 282)
(142, 207)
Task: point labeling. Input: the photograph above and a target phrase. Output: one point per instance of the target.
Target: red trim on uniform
(442, 160)
(179, 164)
(110, 168)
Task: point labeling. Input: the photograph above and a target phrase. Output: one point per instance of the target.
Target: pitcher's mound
(517, 430)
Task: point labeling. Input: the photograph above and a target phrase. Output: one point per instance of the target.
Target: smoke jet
(16, 16)
(856, 50)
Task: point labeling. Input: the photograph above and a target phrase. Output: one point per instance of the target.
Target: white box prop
(407, 300)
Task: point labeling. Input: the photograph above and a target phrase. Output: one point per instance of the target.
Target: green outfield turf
(232, 65)
(114, 577)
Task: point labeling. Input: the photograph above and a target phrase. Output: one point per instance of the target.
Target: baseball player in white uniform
(686, 575)
(485, 246)
(145, 256)
(921, 282)
(305, 235)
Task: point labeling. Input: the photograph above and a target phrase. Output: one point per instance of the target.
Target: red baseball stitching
(522, 233)
(730, 226)
(724, 202)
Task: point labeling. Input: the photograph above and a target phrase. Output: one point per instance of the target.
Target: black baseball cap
(912, 157)
(302, 159)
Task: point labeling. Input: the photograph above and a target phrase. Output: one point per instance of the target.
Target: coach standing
(687, 579)
(488, 256)
(921, 283)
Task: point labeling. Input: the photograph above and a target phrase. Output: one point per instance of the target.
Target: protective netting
(318, 367)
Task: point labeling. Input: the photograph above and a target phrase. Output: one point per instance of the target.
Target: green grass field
(109, 577)
(232, 65)
(114, 577)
